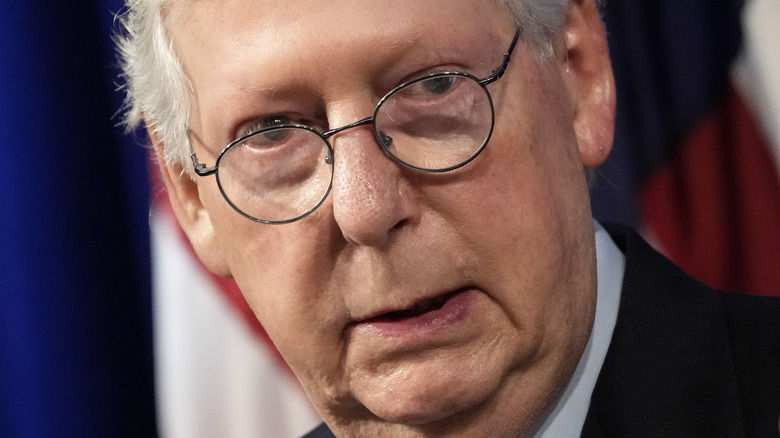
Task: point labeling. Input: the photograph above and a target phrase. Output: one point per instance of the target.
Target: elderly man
(400, 191)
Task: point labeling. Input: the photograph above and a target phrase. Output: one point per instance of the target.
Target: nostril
(401, 224)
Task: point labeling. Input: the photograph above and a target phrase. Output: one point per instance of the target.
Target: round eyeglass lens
(436, 123)
(276, 175)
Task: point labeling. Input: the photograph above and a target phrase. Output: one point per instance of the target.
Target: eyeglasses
(283, 173)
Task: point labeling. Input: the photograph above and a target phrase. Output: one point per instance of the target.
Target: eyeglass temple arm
(200, 168)
(501, 69)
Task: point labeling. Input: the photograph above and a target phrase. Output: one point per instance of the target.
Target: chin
(428, 401)
(416, 413)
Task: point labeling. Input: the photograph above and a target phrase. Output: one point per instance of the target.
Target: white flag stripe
(760, 75)
(214, 377)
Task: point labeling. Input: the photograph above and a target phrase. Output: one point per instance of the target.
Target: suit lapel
(668, 371)
(591, 428)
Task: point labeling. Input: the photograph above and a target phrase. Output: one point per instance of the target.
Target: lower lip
(456, 309)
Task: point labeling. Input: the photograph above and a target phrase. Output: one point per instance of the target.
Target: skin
(511, 231)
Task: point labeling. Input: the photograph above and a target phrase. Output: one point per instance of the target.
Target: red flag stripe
(715, 208)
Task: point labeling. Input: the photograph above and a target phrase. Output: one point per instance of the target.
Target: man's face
(408, 303)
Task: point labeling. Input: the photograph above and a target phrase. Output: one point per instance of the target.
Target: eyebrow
(266, 90)
(263, 92)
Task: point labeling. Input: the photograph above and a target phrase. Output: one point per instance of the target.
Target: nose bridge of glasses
(366, 121)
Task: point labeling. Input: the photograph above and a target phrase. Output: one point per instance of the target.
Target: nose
(370, 196)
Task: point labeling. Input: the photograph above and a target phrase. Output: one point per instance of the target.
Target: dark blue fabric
(75, 324)
(671, 61)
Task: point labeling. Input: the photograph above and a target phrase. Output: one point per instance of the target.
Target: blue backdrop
(75, 326)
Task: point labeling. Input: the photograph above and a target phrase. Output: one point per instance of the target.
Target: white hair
(157, 89)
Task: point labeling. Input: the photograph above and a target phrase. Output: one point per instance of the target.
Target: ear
(588, 71)
(188, 207)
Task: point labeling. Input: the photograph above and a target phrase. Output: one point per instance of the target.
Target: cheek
(534, 180)
(282, 272)
(274, 273)
(524, 213)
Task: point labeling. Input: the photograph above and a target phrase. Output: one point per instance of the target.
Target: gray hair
(157, 89)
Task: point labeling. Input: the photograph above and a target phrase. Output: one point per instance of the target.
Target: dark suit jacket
(685, 360)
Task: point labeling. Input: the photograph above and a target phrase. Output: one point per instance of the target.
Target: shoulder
(691, 353)
(656, 289)
(650, 273)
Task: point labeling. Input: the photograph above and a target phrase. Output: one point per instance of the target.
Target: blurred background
(88, 317)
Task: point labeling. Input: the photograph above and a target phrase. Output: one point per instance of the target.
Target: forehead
(241, 55)
(330, 15)
(234, 29)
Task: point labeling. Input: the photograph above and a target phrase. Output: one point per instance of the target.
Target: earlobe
(189, 210)
(588, 70)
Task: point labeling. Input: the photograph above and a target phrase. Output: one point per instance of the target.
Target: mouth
(422, 318)
(418, 309)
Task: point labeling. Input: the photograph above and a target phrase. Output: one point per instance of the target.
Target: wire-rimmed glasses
(436, 123)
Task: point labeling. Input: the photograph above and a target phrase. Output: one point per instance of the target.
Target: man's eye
(276, 135)
(439, 84)
(270, 122)
(429, 89)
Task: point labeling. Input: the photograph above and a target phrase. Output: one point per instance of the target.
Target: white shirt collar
(568, 416)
